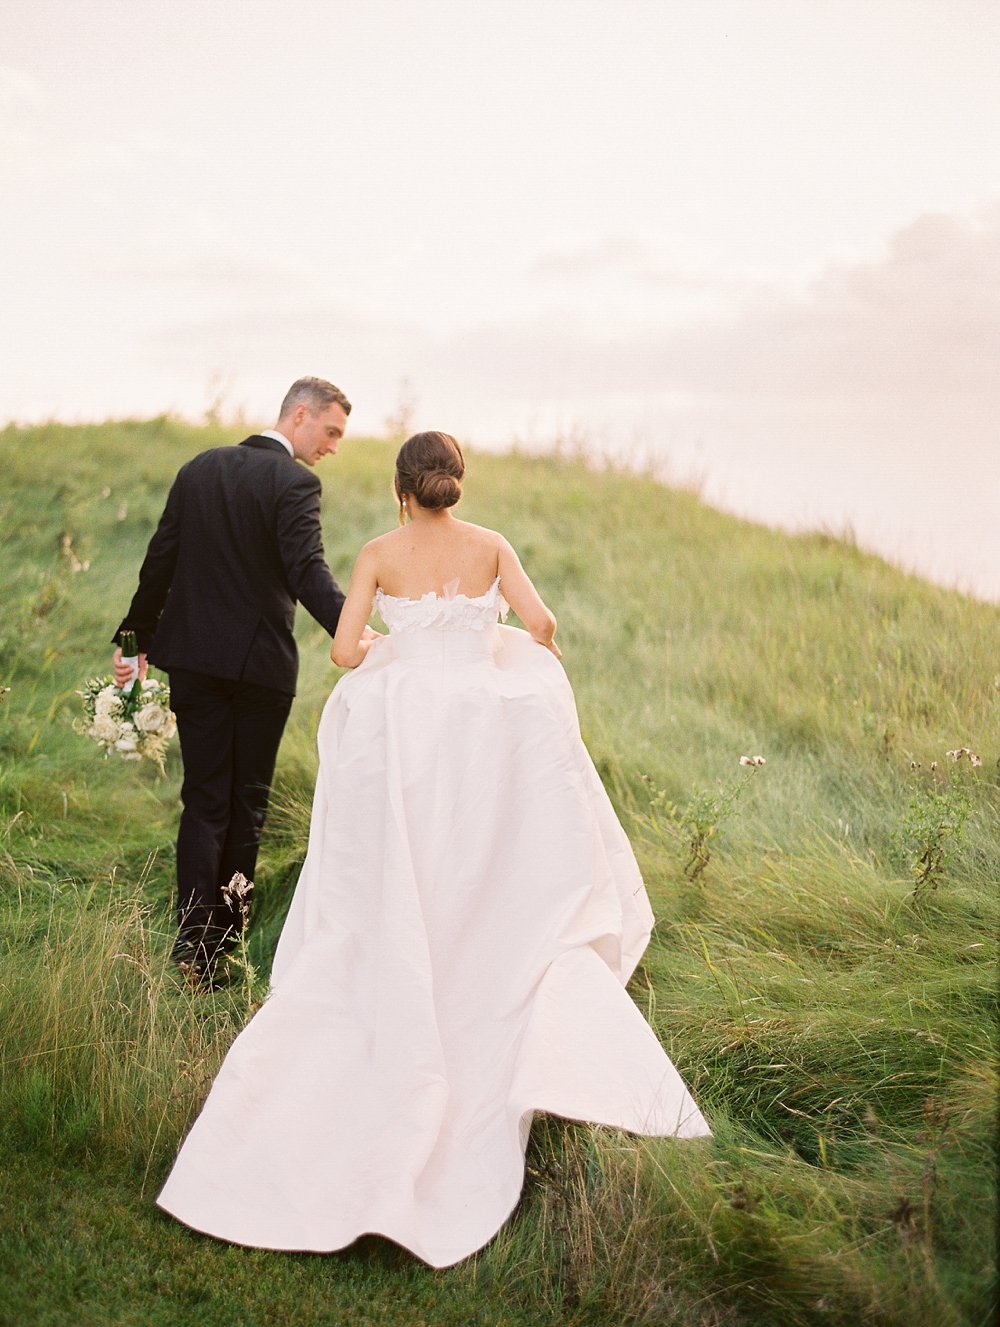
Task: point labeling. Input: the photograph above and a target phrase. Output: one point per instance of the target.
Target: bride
(457, 948)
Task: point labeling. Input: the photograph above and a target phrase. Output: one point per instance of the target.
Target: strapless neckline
(445, 598)
(447, 612)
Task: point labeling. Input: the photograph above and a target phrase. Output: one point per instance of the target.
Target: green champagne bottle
(130, 653)
(130, 656)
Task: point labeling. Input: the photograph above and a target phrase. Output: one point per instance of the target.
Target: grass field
(837, 1030)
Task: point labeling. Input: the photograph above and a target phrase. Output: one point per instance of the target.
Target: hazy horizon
(761, 242)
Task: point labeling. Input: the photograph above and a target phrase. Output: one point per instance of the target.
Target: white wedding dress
(454, 959)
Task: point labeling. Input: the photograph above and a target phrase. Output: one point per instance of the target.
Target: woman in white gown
(457, 948)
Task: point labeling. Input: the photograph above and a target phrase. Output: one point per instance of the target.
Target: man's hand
(123, 673)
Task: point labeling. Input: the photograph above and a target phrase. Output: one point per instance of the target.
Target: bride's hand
(368, 639)
(553, 648)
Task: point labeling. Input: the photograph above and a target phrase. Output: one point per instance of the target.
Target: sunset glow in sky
(761, 239)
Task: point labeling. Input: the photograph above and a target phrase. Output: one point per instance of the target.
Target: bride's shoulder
(386, 552)
(481, 533)
(371, 558)
(381, 544)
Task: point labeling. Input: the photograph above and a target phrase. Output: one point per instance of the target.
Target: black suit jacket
(239, 542)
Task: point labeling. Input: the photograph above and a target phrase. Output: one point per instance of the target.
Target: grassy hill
(836, 1029)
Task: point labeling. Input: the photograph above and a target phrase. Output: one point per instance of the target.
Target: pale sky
(761, 240)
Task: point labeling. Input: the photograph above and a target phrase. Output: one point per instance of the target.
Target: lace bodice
(447, 612)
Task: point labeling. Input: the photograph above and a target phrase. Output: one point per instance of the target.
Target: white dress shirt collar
(278, 437)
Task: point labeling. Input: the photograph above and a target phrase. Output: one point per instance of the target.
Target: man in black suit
(238, 544)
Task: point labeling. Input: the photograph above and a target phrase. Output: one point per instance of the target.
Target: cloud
(627, 260)
(221, 273)
(20, 96)
(620, 253)
(260, 353)
(922, 322)
(18, 90)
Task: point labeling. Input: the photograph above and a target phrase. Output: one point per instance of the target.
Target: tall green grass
(838, 1031)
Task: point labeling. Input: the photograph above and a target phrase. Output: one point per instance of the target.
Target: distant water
(920, 488)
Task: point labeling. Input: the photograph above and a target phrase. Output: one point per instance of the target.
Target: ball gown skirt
(454, 959)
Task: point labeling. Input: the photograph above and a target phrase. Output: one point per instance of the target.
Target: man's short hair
(316, 393)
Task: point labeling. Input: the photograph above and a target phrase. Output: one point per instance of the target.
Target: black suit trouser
(229, 733)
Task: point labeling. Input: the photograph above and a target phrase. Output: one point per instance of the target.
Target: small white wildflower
(122, 510)
(914, 764)
(975, 760)
(105, 493)
(746, 760)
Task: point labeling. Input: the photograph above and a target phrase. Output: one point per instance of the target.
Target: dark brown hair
(429, 468)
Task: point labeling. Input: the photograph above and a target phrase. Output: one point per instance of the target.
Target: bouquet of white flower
(135, 721)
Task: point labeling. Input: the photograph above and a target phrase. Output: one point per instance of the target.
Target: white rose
(169, 728)
(150, 684)
(105, 730)
(126, 738)
(149, 719)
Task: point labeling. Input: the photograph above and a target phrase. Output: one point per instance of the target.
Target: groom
(238, 544)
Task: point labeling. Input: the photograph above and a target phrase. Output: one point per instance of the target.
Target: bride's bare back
(427, 555)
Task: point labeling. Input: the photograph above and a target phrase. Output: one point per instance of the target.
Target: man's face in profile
(317, 435)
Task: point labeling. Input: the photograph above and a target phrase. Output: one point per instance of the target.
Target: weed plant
(837, 1030)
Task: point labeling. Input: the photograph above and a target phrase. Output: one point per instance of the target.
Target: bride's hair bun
(429, 468)
(437, 488)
